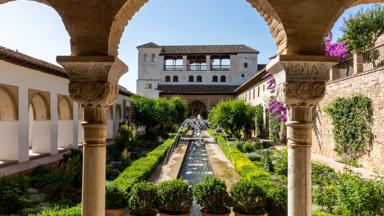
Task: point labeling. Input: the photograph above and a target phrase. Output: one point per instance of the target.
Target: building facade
(202, 75)
(37, 115)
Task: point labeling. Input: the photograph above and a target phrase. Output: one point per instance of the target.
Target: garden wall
(369, 84)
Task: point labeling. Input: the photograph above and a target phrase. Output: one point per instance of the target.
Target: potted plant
(143, 199)
(175, 197)
(115, 200)
(248, 198)
(212, 195)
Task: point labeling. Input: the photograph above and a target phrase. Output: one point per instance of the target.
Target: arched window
(167, 79)
(215, 79)
(145, 57)
(191, 79)
(222, 79)
(175, 79)
(153, 59)
(199, 79)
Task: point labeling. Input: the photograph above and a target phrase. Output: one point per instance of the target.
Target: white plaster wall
(65, 133)
(41, 137)
(9, 140)
(110, 129)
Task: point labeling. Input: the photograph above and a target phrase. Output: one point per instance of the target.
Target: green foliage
(143, 199)
(352, 120)
(175, 196)
(126, 139)
(58, 211)
(323, 174)
(38, 176)
(326, 196)
(277, 200)
(319, 213)
(142, 168)
(249, 146)
(248, 197)
(13, 189)
(361, 196)
(235, 116)
(158, 116)
(363, 29)
(115, 198)
(59, 183)
(280, 162)
(274, 128)
(259, 119)
(212, 195)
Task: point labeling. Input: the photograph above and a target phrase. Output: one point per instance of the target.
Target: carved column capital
(301, 80)
(93, 79)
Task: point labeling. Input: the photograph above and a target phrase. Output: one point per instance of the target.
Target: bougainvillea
(274, 106)
(337, 49)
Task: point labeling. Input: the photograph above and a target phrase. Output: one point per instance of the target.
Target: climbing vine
(352, 120)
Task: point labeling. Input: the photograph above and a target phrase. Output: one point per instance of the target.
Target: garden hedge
(140, 170)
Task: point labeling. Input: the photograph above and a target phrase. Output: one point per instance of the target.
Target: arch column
(301, 84)
(94, 85)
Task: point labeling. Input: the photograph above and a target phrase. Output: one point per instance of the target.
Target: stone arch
(65, 108)
(130, 7)
(196, 108)
(40, 107)
(8, 110)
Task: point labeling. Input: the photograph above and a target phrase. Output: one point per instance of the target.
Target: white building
(202, 75)
(37, 116)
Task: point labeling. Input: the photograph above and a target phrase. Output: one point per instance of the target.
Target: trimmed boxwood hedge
(142, 168)
(139, 170)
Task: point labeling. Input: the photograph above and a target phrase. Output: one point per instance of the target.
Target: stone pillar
(301, 83)
(185, 64)
(54, 124)
(334, 73)
(358, 61)
(75, 125)
(208, 60)
(23, 148)
(94, 85)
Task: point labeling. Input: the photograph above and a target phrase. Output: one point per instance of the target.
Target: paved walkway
(337, 166)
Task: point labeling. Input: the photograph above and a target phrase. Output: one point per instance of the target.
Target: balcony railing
(173, 67)
(360, 61)
(220, 67)
(196, 67)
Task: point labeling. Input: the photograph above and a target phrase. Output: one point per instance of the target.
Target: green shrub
(274, 128)
(319, 213)
(361, 196)
(38, 176)
(126, 139)
(142, 168)
(351, 120)
(143, 199)
(254, 156)
(248, 147)
(323, 174)
(58, 211)
(248, 198)
(259, 119)
(115, 198)
(212, 195)
(13, 190)
(175, 196)
(59, 182)
(280, 163)
(326, 196)
(277, 200)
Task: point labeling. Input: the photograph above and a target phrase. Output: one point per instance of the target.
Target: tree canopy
(234, 116)
(363, 29)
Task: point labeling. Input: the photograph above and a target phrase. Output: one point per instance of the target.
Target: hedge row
(140, 170)
(276, 192)
(246, 168)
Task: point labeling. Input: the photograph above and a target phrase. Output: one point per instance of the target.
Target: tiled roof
(24, 60)
(149, 45)
(207, 49)
(196, 89)
(201, 49)
(125, 91)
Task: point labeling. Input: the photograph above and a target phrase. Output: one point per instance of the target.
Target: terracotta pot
(239, 214)
(170, 214)
(203, 213)
(115, 212)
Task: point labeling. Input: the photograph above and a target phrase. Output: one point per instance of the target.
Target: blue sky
(37, 30)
